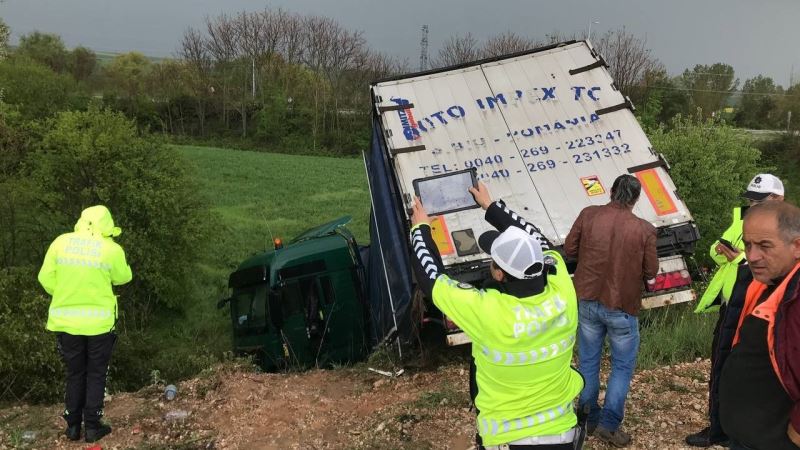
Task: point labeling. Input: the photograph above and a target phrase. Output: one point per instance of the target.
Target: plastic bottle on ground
(171, 392)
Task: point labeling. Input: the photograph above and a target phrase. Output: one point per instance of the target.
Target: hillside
(232, 406)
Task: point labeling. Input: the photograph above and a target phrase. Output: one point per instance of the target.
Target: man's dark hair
(626, 190)
(787, 215)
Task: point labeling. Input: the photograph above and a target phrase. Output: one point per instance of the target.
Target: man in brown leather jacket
(616, 252)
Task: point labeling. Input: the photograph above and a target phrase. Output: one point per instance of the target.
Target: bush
(75, 160)
(97, 156)
(783, 152)
(711, 164)
(36, 90)
(30, 368)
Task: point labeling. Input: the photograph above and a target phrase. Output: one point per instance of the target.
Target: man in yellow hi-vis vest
(522, 329)
(79, 270)
(728, 253)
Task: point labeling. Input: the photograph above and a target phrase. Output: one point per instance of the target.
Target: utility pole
(423, 49)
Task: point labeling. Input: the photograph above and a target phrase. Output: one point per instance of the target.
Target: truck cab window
(250, 307)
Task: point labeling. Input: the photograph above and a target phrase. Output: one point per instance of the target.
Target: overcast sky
(755, 37)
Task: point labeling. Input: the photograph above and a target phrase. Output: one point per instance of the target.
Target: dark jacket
(786, 335)
(616, 251)
(724, 331)
(787, 347)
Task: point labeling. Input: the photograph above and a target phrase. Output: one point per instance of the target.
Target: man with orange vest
(726, 293)
(760, 382)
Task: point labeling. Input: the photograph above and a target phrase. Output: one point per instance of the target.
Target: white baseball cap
(762, 185)
(515, 251)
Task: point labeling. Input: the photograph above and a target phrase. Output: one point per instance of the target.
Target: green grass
(448, 396)
(674, 334)
(259, 196)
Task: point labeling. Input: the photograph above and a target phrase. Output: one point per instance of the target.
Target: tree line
(278, 80)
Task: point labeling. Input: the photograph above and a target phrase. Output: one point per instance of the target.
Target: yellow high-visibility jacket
(79, 270)
(725, 277)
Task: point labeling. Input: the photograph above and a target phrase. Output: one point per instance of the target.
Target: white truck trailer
(548, 132)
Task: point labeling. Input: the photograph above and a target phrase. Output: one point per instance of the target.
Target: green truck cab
(301, 304)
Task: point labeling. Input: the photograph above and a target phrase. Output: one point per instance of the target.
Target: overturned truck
(547, 131)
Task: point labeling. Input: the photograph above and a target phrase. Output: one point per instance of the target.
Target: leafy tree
(789, 106)
(759, 105)
(82, 63)
(45, 48)
(660, 99)
(5, 32)
(20, 229)
(711, 162)
(128, 74)
(98, 156)
(35, 89)
(710, 86)
(29, 364)
(49, 171)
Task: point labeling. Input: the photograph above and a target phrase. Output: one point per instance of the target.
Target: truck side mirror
(222, 302)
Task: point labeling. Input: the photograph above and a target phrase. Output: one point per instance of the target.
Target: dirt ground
(229, 407)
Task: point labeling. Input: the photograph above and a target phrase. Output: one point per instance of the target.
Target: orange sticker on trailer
(656, 192)
(441, 236)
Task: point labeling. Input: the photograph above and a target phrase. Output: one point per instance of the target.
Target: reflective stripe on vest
(767, 310)
(81, 312)
(535, 355)
(495, 426)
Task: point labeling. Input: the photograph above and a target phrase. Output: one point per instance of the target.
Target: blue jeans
(595, 322)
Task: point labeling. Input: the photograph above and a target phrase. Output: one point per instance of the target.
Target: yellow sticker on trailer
(656, 192)
(441, 236)
(593, 185)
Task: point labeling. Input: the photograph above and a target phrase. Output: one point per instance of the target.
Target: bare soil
(231, 407)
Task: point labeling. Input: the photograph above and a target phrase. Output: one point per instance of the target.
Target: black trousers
(86, 359)
(719, 354)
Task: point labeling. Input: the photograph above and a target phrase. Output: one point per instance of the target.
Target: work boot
(73, 432)
(617, 438)
(590, 427)
(703, 439)
(95, 433)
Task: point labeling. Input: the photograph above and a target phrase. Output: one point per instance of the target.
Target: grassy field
(255, 196)
(263, 195)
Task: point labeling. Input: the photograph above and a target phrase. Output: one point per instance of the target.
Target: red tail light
(669, 280)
